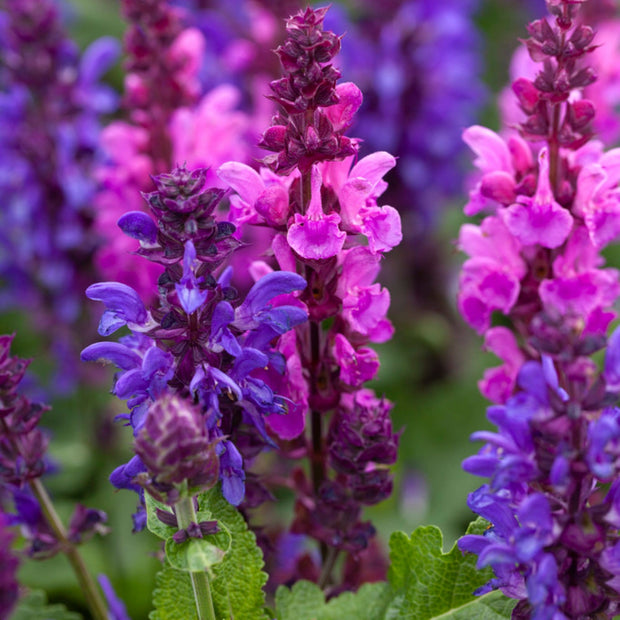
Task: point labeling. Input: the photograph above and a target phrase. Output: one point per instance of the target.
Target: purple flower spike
(123, 306)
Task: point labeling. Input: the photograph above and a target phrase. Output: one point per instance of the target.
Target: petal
(120, 300)
(262, 292)
(138, 225)
(373, 167)
(98, 57)
(243, 179)
(382, 227)
(120, 355)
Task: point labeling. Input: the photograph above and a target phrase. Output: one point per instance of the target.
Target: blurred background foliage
(429, 370)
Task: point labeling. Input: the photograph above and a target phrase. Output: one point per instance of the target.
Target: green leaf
(424, 584)
(306, 601)
(429, 584)
(194, 555)
(173, 596)
(237, 582)
(153, 523)
(34, 606)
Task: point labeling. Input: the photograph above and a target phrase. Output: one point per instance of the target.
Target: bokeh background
(429, 370)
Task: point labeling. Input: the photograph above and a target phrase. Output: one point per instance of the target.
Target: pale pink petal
(373, 167)
(243, 179)
(316, 236)
(283, 253)
(360, 267)
(603, 222)
(491, 150)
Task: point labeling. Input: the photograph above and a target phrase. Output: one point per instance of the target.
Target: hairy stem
(184, 510)
(87, 584)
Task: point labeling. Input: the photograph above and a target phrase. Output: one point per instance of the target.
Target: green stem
(184, 510)
(91, 591)
(328, 565)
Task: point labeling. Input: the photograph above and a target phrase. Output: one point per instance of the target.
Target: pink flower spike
(539, 219)
(316, 236)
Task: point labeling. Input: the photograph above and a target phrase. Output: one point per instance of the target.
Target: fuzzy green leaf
(424, 584)
(34, 606)
(306, 601)
(428, 583)
(173, 596)
(237, 582)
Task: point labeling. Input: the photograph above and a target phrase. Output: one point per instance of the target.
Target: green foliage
(34, 606)
(424, 584)
(237, 583)
(306, 601)
(232, 558)
(173, 597)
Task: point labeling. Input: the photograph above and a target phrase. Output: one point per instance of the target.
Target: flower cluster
(322, 208)
(50, 109)
(602, 93)
(419, 67)
(553, 543)
(189, 368)
(550, 206)
(169, 120)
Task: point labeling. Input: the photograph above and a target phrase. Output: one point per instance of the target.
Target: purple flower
(198, 341)
(116, 607)
(50, 109)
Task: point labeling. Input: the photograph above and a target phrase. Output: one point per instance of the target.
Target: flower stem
(184, 510)
(87, 584)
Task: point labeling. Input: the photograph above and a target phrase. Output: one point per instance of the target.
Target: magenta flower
(498, 383)
(539, 219)
(552, 541)
(315, 235)
(357, 194)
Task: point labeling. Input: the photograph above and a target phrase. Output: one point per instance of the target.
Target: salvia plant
(233, 229)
